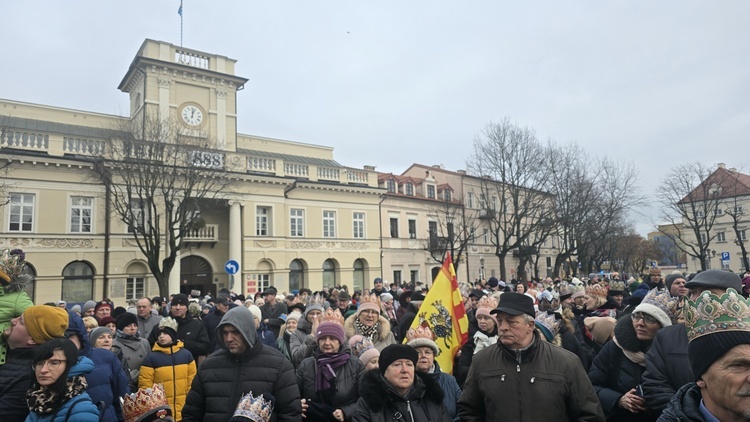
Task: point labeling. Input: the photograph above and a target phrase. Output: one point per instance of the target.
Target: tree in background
(157, 179)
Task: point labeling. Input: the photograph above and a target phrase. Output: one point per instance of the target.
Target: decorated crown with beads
(359, 344)
(487, 302)
(333, 316)
(550, 322)
(370, 298)
(146, 401)
(597, 289)
(421, 332)
(616, 286)
(256, 409)
(317, 300)
(12, 263)
(710, 314)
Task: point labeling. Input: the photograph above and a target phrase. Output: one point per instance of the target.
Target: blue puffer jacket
(107, 383)
(80, 407)
(451, 389)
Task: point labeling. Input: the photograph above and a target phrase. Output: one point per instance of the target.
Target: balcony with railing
(24, 140)
(206, 233)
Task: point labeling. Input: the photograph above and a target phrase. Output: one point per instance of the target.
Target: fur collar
(377, 394)
(384, 327)
(626, 339)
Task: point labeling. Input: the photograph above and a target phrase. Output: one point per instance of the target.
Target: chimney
(722, 165)
(732, 169)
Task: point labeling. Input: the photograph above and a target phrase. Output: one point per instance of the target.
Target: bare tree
(157, 178)
(691, 196)
(736, 193)
(512, 197)
(451, 232)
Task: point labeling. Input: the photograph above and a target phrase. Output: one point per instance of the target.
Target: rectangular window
(472, 234)
(409, 189)
(264, 282)
(549, 262)
(431, 191)
(414, 276)
(432, 228)
(81, 209)
(397, 277)
(262, 219)
(329, 223)
(358, 223)
(719, 212)
(703, 238)
(394, 227)
(412, 229)
(721, 237)
(297, 222)
(21, 212)
(494, 203)
(486, 236)
(138, 215)
(738, 210)
(136, 288)
(482, 201)
(743, 236)
(470, 199)
(447, 194)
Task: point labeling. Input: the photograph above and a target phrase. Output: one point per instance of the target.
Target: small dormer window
(391, 186)
(447, 195)
(431, 191)
(409, 189)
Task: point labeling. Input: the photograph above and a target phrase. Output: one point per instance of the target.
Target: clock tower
(196, 89)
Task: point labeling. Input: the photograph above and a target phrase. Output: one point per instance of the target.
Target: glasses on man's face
(51, 364)
(648, 319)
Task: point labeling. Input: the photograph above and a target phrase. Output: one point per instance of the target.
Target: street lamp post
(481, 268)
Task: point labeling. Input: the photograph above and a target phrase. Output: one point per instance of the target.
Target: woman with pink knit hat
(484, 337)
(368, 322)
(363, 348)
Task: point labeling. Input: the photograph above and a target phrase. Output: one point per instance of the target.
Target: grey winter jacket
(684, 406)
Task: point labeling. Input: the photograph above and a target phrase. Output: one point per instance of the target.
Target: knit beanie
(705, 350)
(395, 352)
(90, 304)
(331, 329)
(45, 322)
(106, 320)
(656, 304)
(294, 315)
(126, 319)
(169, 326)
(101, 304)
(257, 314)
(96, 333)
(671, 278)
(601, 328)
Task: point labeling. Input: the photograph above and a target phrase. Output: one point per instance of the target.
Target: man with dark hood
(213, 317)
(241, 365)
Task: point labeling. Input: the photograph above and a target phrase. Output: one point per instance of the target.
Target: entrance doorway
(196, 274)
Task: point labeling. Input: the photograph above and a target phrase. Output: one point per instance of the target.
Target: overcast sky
(390, 83)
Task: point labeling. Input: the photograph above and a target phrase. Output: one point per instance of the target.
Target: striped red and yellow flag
(443, 310)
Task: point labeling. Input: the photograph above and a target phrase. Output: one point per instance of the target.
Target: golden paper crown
(143, 401)
(599, 290)
(710, 314)
(333, 316)
(370, 298)
(421, 332)
(256, 409)
(617, 286)
(487, 302)
(316, 300)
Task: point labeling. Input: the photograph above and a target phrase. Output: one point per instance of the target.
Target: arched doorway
(329, 274)
(359, 275)
(296, 275)
(196, 274)
(78, 282)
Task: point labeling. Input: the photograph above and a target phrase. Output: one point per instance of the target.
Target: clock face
(192, 115)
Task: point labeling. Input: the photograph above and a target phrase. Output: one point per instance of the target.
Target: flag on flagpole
(179, 11)
(443, 310)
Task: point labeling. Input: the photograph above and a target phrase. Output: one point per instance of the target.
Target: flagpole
(181, 23)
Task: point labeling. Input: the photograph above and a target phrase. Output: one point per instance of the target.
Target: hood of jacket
(377, 393)
(75, 324)
(304, 325)
(626, 337)
(242, 319)
(82, 367)
(384, 327)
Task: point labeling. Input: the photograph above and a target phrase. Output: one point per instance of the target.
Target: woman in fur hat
(618, 369)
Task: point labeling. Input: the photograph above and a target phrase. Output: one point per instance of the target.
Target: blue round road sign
(232, 266)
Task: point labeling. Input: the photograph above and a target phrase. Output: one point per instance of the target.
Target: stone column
(235, 242)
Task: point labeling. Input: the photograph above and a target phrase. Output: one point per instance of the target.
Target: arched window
(296, 275)
(359, 275)
(78, 282)
(196, 274)
(391, 185)
(30, 288)
(329, 274)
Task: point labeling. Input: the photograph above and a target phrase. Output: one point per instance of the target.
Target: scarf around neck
(327, 364)
(366, 331)
(482, 340)
(43, 401)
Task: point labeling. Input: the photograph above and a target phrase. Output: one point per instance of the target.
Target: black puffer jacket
(613, 374)
(16, 375)
(224, 377)
(667, 366)
(344, 390)
(378, 401)
(684, 406)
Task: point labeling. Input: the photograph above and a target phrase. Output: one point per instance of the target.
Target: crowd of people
(672, 348)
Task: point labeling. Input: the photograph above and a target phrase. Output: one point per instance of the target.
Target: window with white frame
(704, 238)
(447, 195)
(394, 227)
(431, 191)
(21, 212)
(700, 213)
(721, 237)
(486, 236)
(296, 222)
(264, 282)
(358, 225)
(743, 236)
(738, 210)
(719, 212)
(262, 221)
(470, 199)
(494, 203)
(409, 188)
(81, 211)
(329, 223)
(391, 185)
(139, 214)
(135, 288)
(412, 229)
(472, 234)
